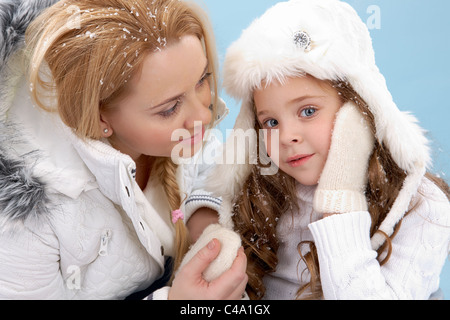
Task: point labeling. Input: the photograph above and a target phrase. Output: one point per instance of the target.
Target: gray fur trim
(15, 16)
(21, 194)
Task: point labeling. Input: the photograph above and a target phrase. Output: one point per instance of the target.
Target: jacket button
(132, 172)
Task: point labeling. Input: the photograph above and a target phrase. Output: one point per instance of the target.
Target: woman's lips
(194, 139)
(299, 160)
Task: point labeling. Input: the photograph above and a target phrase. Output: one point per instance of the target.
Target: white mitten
(344, 178)
(230, 243)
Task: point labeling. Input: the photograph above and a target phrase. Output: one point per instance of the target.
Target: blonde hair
(93, 47)
(265, 198)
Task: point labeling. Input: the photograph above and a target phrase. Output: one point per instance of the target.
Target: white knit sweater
(349, 268)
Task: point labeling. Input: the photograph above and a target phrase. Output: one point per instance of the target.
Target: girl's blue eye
(272, 123)
(308, 112)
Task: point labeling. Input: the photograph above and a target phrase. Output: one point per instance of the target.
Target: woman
(92, 204)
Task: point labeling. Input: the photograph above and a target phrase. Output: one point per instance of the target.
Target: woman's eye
(205, 77)
(172, 111)
(308, 112)
(272, 123)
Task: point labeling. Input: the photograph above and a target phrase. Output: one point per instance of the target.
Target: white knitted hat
(328, 40)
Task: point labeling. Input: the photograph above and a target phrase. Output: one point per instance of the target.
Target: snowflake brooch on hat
(302, 40)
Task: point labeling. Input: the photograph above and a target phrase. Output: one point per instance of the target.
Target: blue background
(412, 49)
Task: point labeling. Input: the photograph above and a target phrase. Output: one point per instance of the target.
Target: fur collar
(15, 16)
(22, 194)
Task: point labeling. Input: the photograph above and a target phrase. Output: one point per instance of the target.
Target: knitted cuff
(342, 235)
(339, 201)
(200, 200)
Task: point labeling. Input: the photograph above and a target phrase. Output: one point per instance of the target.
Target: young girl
(91, 203)
(352, 213)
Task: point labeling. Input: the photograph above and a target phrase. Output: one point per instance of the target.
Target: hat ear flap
(399, 209)
(398, 131)
(236, 159)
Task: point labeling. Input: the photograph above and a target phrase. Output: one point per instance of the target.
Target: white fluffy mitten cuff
(230, 243)
(343, 181)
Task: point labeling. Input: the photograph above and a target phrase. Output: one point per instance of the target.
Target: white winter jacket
(74, 223)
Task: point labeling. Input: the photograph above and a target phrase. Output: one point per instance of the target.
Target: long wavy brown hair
(264, 199)
(91, 49)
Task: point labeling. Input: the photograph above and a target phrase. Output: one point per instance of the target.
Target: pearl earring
(106, 131)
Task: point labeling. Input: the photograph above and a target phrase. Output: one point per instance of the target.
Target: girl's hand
(190, 285)
(199, 221)
(344, 178)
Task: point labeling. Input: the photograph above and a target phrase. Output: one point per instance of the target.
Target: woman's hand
(190, 285)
